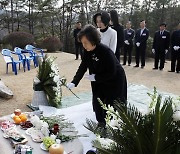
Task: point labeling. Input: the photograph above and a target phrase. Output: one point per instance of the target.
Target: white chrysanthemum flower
(52, 74)
(54, 68)
(105, 142)
(36, 80)
(110, 108)
(56, 78)
(176, 116)
(114, 123)
(176, 104)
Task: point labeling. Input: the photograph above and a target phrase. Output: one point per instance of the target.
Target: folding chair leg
(35, 63)
(7, 68)
(24, 65)
(28, 64)
(12, 67)
(15, 69)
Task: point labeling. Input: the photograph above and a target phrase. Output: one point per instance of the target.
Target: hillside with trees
(56, 18)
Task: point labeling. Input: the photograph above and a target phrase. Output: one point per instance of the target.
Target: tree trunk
(63, 24)
(87, 14)
(132, 8)
(162, 14)
(32, 17)
(12, 17)
(52, 26)
(18, 20)
(29, 1)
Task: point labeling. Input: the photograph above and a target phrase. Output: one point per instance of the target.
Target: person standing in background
(128, 43)
(120, 32)
(108, 35)
(141, 37)
(160, 46)
(175, 50)
(78, 45)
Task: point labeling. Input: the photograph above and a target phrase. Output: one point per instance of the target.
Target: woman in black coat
(120, 32)
(108, 79)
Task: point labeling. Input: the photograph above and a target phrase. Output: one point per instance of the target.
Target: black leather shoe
(177, 71)
(76, 59)
(161, 69)
(171, 71)
(142, 67)
(91, 152)
(129, 64)
(136, 66)
(155, 68)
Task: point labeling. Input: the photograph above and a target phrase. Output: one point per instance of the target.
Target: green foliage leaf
(152, 133)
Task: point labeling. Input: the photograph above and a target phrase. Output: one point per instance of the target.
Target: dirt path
(22, 84)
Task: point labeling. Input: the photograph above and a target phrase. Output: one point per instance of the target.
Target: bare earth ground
(22, 84)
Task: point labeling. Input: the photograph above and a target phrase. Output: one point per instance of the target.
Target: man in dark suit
(141, 37)
(160, 46)
(175, 50)
(128, 43)
(78, 45)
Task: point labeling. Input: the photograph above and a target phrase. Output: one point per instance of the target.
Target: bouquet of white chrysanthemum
(49, 81)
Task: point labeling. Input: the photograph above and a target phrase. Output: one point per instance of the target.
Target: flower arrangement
(128, 131)
(49, 81)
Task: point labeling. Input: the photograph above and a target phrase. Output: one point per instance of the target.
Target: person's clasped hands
(126, 42)
(137, 44)
(153, 51)
(176, 47)
(166, 51)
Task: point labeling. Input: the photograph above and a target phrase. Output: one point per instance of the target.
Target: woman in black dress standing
(120, 32)
(108, 79)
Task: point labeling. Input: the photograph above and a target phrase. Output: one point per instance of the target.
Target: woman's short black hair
(105, 18)
(91, 34)
(95, 16)
(114, 17)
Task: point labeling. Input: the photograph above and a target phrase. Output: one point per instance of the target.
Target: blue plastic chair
(9, 60)
(36, 55)
(23, 57)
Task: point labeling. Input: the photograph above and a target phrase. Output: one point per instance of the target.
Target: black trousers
(175, 60)
(79, 49)
(159, 56)
(118, 53)
(140, 52)
(107, 98)
(127, 50)
(99, 111)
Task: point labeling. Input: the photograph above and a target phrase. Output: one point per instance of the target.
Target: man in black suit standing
(141, 37)
(160, 46)
(78, 44)
(175, 50)
(128, 43)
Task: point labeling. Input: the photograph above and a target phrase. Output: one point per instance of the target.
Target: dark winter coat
(110, 77)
